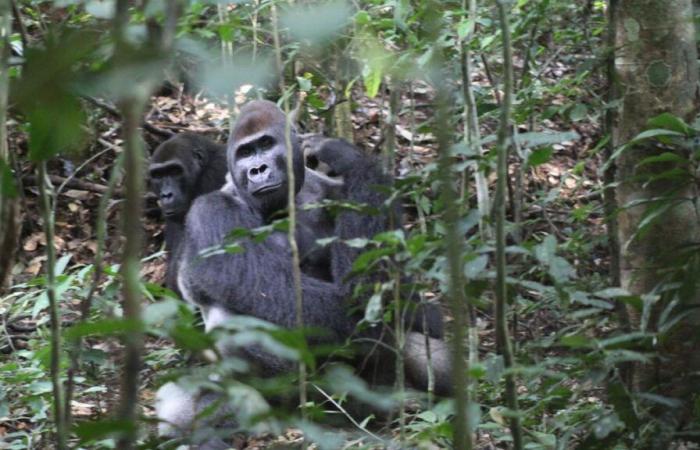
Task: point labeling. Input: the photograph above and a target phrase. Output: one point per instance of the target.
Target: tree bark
(9, 211)
(655, 71)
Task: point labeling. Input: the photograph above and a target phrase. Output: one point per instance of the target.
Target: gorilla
(181, 169)
(258, 281)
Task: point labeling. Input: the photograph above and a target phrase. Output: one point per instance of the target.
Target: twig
(347, 414)
(503, 343)
(292, 214)
(54, 308)
(70, 177)
(20, 24)
(115, 112)
(86, 304)
(31, 180)
(496, 94)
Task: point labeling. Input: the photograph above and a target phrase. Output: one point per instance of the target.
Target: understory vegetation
(498, 121)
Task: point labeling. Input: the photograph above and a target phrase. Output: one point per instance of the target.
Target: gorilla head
(182, 168)
(257, 157)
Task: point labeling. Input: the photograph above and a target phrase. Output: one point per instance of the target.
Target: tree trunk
(9, 212)
(655, 71)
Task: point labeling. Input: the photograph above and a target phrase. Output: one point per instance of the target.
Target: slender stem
(131, 264)
(131, 108)
(502, 339)
(86, 304)
(392, 120)
(400, 343)
(472, 135)
(454, 247)
(54, 309)
(291, 208)
(8, 203)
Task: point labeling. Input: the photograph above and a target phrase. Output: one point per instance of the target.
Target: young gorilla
(258, 281)
(181, 169)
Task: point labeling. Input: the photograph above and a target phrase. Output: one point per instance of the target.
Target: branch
(115, 112)
(72, 183)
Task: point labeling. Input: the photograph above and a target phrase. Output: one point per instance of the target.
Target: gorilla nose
(166, 199)
(259, 174)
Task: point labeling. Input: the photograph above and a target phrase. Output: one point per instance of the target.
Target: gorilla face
(257, 158)
(173, 173)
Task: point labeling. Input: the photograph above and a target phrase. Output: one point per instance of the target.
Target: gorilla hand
(334, 157)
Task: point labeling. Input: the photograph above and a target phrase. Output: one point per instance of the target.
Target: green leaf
(373, 79)
(576, 341)
(476, 266)
(610, 293)
(578, 112)
(102, 9)
(224, 78)
(104, 327)
(46, 136)
(539, 156)
(648, 134)
(91, 430)
(373, 310)
(7, 181)
(623, 404)
(669, 402)
(670, 122)
(61, 264)
(665, 157)
(317, 23)
(362, 18)
(537, 139)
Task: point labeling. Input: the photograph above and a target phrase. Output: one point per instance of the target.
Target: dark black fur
(181, 169)
(259, 281)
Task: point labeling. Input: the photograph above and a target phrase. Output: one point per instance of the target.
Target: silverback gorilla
(258, 281)
(181, 169)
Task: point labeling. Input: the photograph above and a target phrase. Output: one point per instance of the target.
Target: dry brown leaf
(33, 241)
(34, 266)
(77, 194)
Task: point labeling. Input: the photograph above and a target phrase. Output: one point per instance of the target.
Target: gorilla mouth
(171, 213)
(266, 189)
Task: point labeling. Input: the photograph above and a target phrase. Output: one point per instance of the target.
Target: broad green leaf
(578, 112)
(669, 402)
(102, 9)
(669, 122)
(104, 327)
(612, 293)
(576, 341)
(225, 78)
(318, 22)
(373, 310)
(662, 158)
(539, 156)
(476, 266)
(90, 430)
(606, 425)
(7, 181)
(373, 79)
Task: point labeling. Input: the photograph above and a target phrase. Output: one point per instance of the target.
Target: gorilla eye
(171, 170)
(266, 142)
(244, 151)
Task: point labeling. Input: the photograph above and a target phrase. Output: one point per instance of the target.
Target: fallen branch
(114, 112)
(30, 180)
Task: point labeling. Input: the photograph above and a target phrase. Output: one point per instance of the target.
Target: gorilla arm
(362, 182)
(256, 282)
